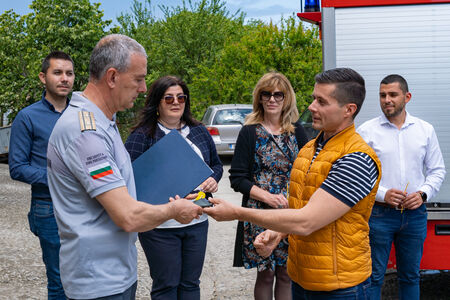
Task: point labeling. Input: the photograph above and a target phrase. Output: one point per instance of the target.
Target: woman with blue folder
(266, 148)
(175, 252)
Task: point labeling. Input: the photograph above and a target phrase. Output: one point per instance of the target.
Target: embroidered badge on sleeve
(100, 170)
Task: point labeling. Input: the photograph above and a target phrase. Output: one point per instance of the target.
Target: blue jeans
(128, 294)
(408, 231)
(357, 292)
(175, 257)
(43, 225)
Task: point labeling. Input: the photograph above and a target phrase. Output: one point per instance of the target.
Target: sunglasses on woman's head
(171, 98)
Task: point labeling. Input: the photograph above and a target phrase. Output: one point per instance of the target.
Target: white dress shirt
(410, 156)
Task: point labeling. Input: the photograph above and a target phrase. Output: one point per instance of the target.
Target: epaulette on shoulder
(87, 120)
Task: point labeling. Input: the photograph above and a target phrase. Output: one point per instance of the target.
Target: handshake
(185, 210)
(189, 208)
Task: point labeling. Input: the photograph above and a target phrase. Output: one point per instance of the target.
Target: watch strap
(424, 196)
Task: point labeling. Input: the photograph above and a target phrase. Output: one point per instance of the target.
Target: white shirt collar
(408, 120)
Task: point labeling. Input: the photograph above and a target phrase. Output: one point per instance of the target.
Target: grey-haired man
(91, 179)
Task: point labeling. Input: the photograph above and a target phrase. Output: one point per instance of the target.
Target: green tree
(188, 36)
(193, 35)
(219, 56)
(288, 48)
(13, 69)
(138, 23)
(72, 26)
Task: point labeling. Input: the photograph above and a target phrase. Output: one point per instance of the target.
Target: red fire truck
(407, 37)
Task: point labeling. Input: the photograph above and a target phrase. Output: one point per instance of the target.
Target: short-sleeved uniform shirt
(97, 258)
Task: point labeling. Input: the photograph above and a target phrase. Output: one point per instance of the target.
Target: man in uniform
(413, 171)
(91, 179)
(30, 132)
(332, 190)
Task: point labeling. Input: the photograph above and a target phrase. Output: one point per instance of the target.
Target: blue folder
(170, 167)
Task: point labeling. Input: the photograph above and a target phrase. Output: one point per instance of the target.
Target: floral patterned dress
(271, 171)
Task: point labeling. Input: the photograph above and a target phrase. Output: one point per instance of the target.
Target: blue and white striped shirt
(351, 177)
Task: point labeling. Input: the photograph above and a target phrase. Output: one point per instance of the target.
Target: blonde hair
(289, 112)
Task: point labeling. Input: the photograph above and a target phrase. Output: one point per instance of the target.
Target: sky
(265, 10)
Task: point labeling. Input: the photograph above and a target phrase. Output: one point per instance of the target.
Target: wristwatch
(424, 196)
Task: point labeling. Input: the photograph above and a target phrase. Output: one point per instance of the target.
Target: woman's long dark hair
(148, 117)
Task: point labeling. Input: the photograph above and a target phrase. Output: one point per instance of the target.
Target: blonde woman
(266, 148)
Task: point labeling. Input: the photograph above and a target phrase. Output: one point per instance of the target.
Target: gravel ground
(22, 274)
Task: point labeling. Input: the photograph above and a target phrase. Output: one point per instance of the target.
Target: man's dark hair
(396, 78)
(54, 55)
(350, 86)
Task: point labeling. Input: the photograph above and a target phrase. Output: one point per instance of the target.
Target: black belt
(384, 204)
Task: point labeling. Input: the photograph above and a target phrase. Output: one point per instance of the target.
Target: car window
(207, 116)
(306, 121)
(231, 116)
(306, 116)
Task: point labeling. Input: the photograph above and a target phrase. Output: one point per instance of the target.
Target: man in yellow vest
(333, 185)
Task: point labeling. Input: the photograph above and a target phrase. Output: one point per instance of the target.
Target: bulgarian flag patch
(100, 170)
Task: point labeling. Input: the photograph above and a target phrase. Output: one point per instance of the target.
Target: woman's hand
(209, 185)
(276, 200)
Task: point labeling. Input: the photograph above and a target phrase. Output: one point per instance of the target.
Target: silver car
(223, 123)
(306, 121)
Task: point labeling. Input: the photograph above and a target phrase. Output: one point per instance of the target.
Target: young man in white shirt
(412, 173)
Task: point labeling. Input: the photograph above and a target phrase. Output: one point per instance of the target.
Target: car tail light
(213, 130)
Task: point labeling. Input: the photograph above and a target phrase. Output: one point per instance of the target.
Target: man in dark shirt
(30, 132)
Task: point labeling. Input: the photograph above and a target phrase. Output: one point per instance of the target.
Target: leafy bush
(218, 55)
(67, 25)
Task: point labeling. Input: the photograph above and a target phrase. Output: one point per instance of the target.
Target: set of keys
(201, 200)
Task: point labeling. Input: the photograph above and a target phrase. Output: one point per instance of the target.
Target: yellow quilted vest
(336, 256)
